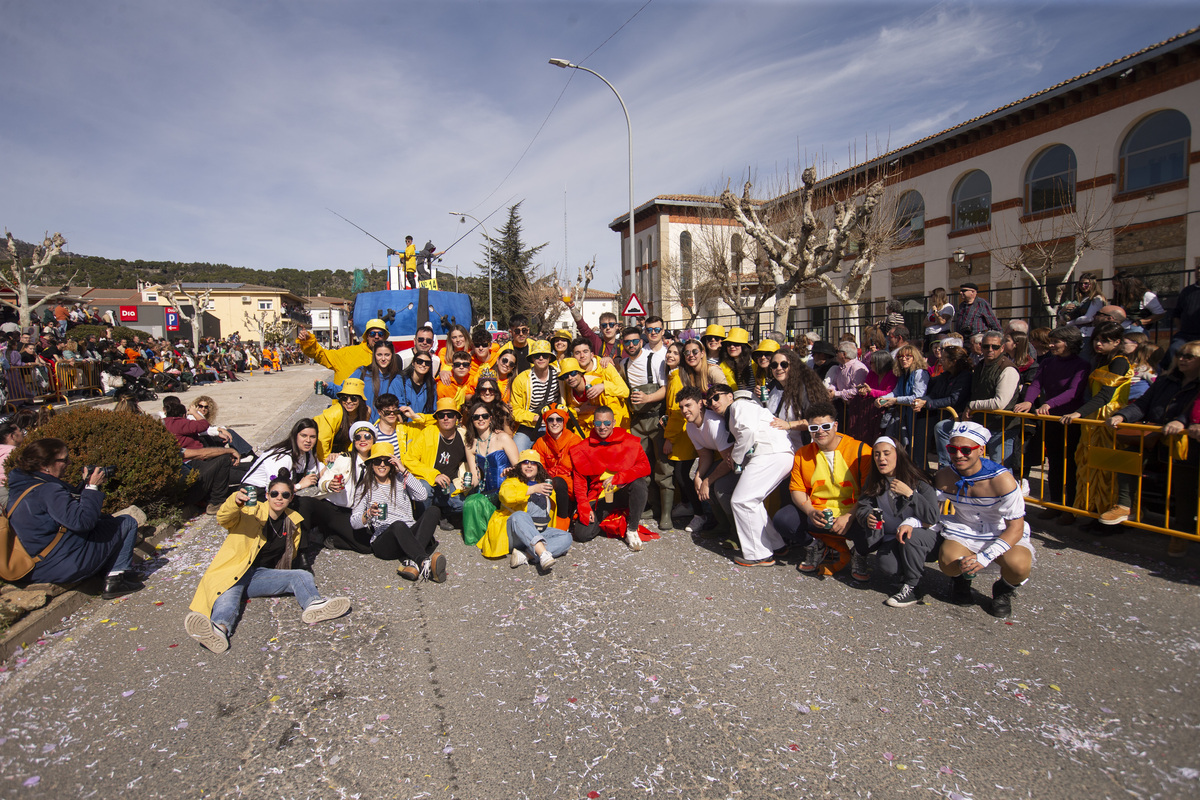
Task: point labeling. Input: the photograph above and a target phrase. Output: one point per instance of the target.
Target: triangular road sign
(633, 308)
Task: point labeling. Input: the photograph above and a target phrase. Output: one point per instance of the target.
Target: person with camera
(46, 512)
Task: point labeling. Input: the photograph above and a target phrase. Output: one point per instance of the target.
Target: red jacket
(621, 454)
(186, 430)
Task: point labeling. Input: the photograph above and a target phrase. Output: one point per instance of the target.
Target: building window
(973, 201)
(910, 218)
(265, 305)
(1050, 182)
(151, 297)
(685, 267)
(1155, 151)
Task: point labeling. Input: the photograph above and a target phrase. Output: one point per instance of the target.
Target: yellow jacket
(521, 393)
(420, 456)
(342, 361)
(514, 497)
(675, 431)
(328, 422)
(238, 551)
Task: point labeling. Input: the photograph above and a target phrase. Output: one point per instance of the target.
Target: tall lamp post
(565, 64)
(479, 222)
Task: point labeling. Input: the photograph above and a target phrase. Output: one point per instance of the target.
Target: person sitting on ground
(257, 559)
(554, 448)
(329, 512)
(333, 424)
(825, 481)
(63, 524)
(344, 360)
(527, 525)
(897, 494)
(205, 409)
(610, 472)
(488, 392)
(294, 454)
(491, 454)
(438, 457)
(985, 520)
(715, 479)
(383, 503)
(211, 464)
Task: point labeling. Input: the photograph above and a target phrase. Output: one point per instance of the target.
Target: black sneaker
(907, 596)
(446, 525)
(1002, 594)
(961, 593)
(814, 556)
(118, 585)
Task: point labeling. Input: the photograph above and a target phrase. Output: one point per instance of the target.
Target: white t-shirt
(710, 434)
(648, 366)
(946, 311)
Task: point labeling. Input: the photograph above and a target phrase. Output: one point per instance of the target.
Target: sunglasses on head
(364, 437)
(446, 415)
(963, 450)
(277, 494)
(822, 426)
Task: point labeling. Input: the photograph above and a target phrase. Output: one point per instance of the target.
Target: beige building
(244, 308)
(1110, 149)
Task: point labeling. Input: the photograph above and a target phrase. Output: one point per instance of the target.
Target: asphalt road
(666, 672)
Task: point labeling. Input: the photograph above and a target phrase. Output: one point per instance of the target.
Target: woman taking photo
(294, 455)
(328, 514)
(1088, 300)
(384, 506)
(256, 560)
(940, 320)
(895, 492)
(524, 527)
(333, 424)
(63, 524)
(490, 455)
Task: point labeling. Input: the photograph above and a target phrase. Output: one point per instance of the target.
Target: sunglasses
(424, 362)
(346, 398)
(520, 330)
(779, 365)
(481, 416)
(536, 356)
(1187, 356)
(962, 451)
(379, 462)
(379, 333)
(555, 420)
(202, 405)
(822, 426)
(422, 340)
(364, 437)
(714, 398)
(632, 343)
(692, 353)
(569, 375)
(506, 363)
(463, 364)
(446, 415)
(608, 423)
(278, 494)
(608, 324)
(388, 412)
(654, 330)
(991, 347)
(488, 390)
(707, 339)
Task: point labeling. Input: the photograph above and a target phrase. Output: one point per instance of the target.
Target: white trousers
(756, 534)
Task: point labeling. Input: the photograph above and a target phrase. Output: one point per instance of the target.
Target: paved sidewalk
(619, 675)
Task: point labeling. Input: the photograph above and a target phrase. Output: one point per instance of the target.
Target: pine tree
(511, 264)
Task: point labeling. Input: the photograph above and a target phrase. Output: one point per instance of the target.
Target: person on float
(984, 522)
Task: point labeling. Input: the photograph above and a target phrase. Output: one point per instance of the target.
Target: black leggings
(402, 542)
(328, 525)
(564, 501)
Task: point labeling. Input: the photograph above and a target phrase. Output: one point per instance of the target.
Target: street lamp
(564, 64)
(463, 218)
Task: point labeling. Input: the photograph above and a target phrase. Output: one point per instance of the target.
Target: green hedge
(81, 332)
(146, 456)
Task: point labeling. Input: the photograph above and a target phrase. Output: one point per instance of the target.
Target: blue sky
(221, 131)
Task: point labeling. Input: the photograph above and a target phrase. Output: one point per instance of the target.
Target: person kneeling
(524, 525)
(610, 469)
(896, 511)
(383, 503)
(256, 560)
(986, 522)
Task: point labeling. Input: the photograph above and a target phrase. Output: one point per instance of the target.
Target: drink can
(252, 491)
(466, 480)
(383, 511)
(317, 387)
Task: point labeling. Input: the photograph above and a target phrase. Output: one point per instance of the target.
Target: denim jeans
(263, 582)
(437, 496)
(127, 528)
(523, 533)
(522, 441)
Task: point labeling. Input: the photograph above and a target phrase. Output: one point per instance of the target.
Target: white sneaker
(1025, 490)
(697, 524)
(325, 608)
(633, 540)
(546, 560)
(201, 628)
(517, 557)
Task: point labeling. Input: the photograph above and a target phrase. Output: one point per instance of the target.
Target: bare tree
(692, 290)
(540, 299)
(19, 277)
(804, 243)
(198, 300)
(1040, 244)
(270, 327)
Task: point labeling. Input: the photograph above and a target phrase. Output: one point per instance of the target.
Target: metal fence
(40, 383)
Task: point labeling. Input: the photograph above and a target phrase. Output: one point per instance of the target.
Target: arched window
(973, 201)
(685, 267)
(910, 218)
(1156, 151)
(1050, 182)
